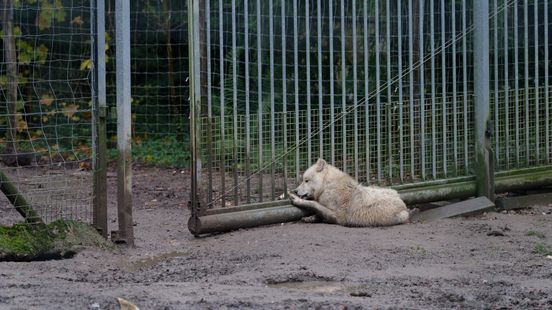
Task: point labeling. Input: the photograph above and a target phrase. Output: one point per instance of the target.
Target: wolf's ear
(320, 165)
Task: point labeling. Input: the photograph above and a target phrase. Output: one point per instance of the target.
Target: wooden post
(483, 124)
(10, 57)
(124, 118)
(99, 160)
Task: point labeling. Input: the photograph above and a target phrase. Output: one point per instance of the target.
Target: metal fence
(46, 110)
(384, 90)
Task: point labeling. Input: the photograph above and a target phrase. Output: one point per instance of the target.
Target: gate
(396, 93)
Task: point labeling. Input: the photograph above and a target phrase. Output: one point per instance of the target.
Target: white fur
(337, 198)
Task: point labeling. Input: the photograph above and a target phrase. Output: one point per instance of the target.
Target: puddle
(152, 261)
(325, 287)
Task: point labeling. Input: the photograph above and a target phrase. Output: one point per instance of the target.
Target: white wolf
(337, 198)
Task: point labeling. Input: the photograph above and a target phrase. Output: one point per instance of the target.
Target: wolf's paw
(294, 199)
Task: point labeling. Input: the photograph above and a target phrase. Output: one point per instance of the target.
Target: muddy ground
(487, 261)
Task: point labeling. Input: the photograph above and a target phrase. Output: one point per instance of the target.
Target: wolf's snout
(294, 191)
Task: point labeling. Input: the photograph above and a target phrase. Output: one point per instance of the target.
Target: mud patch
(152, 261)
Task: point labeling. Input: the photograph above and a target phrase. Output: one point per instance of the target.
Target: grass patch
(537, 234)
(542, 249)
(59, 239)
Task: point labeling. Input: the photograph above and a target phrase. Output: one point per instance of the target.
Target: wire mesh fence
(159, 60)
(46, 110)
(381, 89)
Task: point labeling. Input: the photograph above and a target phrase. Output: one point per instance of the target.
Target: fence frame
(485, 181)
(99, 117)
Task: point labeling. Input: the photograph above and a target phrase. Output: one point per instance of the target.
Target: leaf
(86, 64)
(70, 110)
(46, 100)
(21, 125)
(77, 20)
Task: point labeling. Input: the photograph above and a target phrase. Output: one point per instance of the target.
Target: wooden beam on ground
(462, 208)
(17, 200)
(519, 202)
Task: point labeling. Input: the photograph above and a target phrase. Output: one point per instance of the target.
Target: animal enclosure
(384, 90)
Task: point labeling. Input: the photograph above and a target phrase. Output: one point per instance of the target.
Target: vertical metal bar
(526, 77)
(484, 170)
(100, 117)
(444, 85)
(411, 86)
(389, 104)
(195, 110)
(506, 87)
(222, 106)
(422, 88)
(355, 89)
(496, 100)
(547, 85)
(124, 115)
(307, 59)
(320, 98)
(378, 93)
(366, 92)
(235, 105)
(209, 102)
(537, 90)
(332, 99)
(516, 78)
(433, 103)
(399, 48)
(247, 103)
(465, 83)
(284, 91)
(259, 100)
(272, 108)
(296, 80)
(454, 89)
(343, 89)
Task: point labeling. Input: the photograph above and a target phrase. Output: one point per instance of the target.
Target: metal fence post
(483, 125)
(195, 109)
(99, 164)
(124, 118)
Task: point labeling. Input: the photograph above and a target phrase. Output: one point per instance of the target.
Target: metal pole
(99, 159)
(195, 109)
(124, 116)
(484, 167)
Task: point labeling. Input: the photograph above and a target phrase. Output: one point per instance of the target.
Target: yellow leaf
(45, 119)
(77, 20)
(46, 100)
(86, 64)
(70, 110)
(21, 125)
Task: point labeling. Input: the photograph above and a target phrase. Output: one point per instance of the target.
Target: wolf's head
(313, 180)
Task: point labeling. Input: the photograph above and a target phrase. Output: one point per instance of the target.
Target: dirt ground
(480, 262)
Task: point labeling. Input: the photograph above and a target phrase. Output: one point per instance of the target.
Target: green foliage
(165, 152)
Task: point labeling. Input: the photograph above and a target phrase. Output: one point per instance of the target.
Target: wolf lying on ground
(337, 198)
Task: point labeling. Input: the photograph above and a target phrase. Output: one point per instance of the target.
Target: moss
(537, 234)
(59, 239)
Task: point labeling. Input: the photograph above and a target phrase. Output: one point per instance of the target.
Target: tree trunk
(10, 58)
